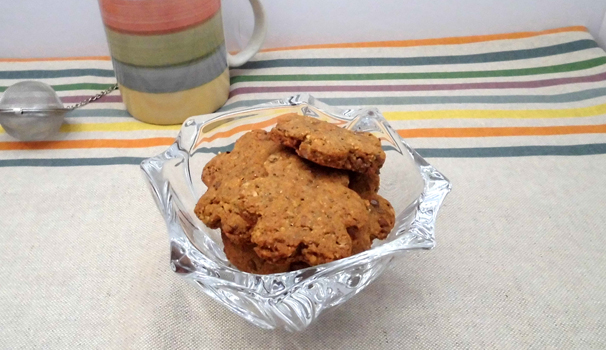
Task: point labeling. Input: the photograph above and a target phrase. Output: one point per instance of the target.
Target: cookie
(382, 215)
(329, 145)
(305, 213)
(245, 160)
(279, 212)
(365, 183)
(224, 174)
(219, 208)
(290, 211)
(361, 238)
(245, 259)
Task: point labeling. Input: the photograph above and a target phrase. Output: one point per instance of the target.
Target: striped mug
(169, 55)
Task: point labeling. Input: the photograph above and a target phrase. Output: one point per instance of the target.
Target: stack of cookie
(301, 195)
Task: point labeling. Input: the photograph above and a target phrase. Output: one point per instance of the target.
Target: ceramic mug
(170, 58)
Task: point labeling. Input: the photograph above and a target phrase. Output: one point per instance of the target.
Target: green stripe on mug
(167, 49)
(173, 78)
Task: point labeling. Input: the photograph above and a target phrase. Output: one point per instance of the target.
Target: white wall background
(43, 28)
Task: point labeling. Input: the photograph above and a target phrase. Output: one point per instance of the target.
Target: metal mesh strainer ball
(31, 110)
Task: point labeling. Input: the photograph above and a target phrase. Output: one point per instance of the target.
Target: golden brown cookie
(291, 209)
(220, 208)
(279, 212)
(245, 160)
(245, 259)
(361, 238)
(224, 174)
(305, 212)
(329, 145)
(382, 216)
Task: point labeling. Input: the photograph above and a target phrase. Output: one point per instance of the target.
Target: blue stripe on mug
(173, 78)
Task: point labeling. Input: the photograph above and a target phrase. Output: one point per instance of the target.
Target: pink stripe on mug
(150, 17)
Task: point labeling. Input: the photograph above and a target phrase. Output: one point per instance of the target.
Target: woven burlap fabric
(519, 264)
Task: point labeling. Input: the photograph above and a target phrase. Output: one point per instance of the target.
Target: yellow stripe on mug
(175, 107)
(167, 49)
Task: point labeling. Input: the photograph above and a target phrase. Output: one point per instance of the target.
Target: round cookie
(329, 145)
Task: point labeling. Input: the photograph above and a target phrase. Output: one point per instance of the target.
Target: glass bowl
(290, 300)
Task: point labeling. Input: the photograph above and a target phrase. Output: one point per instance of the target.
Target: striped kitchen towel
(516, 121)
(505, 95)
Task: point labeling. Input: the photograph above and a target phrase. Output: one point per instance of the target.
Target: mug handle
(256, 41)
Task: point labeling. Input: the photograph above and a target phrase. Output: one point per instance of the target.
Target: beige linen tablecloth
(516, 121)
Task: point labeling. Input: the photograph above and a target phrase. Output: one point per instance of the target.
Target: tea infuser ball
(31, 110)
